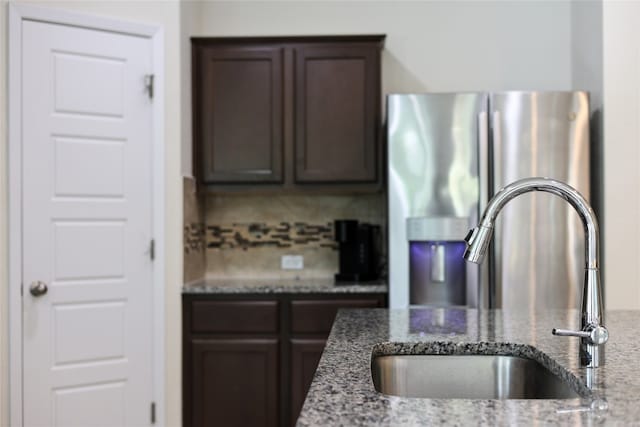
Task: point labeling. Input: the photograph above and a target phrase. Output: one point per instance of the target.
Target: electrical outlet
(292, 262)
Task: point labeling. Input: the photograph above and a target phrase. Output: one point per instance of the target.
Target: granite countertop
(282, 286)
(342, 392)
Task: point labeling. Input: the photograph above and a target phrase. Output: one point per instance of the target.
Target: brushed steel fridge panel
(433, 171)
(538, 250)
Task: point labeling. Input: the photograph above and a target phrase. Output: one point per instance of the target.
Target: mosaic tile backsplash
(245, 236)
(194, 238)
(194, 260)
(198, 237)
(260, 235)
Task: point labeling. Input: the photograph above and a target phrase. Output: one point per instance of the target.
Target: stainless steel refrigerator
(448, 154)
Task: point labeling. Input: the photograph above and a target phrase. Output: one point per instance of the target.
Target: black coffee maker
(359, 250)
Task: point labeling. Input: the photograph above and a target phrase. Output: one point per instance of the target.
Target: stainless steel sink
(467, 377)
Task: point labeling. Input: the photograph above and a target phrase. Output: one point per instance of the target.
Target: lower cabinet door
(305, 356)
(235, 382)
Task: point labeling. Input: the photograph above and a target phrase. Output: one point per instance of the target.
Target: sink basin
(467, 377)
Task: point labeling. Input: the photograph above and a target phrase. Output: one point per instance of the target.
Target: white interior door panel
(87, 224)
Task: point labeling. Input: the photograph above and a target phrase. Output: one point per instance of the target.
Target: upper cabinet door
(238, 101)
(337, 91)
(287, 113)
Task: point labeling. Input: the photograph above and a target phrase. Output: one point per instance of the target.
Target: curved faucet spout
(479, 238)
(479, 241)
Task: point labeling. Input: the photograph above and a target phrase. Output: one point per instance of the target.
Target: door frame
(24, 12)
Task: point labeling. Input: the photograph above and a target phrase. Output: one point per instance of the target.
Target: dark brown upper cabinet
(336, 106)
(238, 104)
(287, 113)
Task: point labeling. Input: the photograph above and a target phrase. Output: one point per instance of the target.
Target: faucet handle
(594, 334)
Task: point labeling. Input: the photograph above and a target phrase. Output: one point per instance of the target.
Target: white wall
(430, 45)
(621, 61)
(4, 253)
(587, 74)
(165, 13)
(189, 14)
(586, 48)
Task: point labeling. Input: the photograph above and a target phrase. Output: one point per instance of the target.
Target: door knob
(38, 288)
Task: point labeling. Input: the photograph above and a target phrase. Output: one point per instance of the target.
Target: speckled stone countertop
(282, 286)
(342, 392)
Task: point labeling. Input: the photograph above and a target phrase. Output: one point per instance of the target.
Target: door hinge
(21, 289)
(152, 249)
(153, 412)
(148, 84)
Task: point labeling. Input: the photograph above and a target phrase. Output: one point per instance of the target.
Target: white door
(86, 227)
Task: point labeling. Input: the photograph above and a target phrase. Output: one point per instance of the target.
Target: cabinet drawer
(234, 316)
(317, 316)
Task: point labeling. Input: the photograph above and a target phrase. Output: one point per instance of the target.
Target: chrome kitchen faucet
(592, 334)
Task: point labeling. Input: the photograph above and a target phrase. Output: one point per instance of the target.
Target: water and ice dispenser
(437, 270)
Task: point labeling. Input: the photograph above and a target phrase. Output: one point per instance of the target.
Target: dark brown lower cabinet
(235, 382)
(305, 355)
(248, 360)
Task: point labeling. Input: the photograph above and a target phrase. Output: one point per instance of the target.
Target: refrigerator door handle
(494, 293)
(482, 282)
(483, 159)
(497, 153)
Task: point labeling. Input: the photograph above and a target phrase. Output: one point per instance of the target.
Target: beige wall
(165, 13)
(622, 153)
